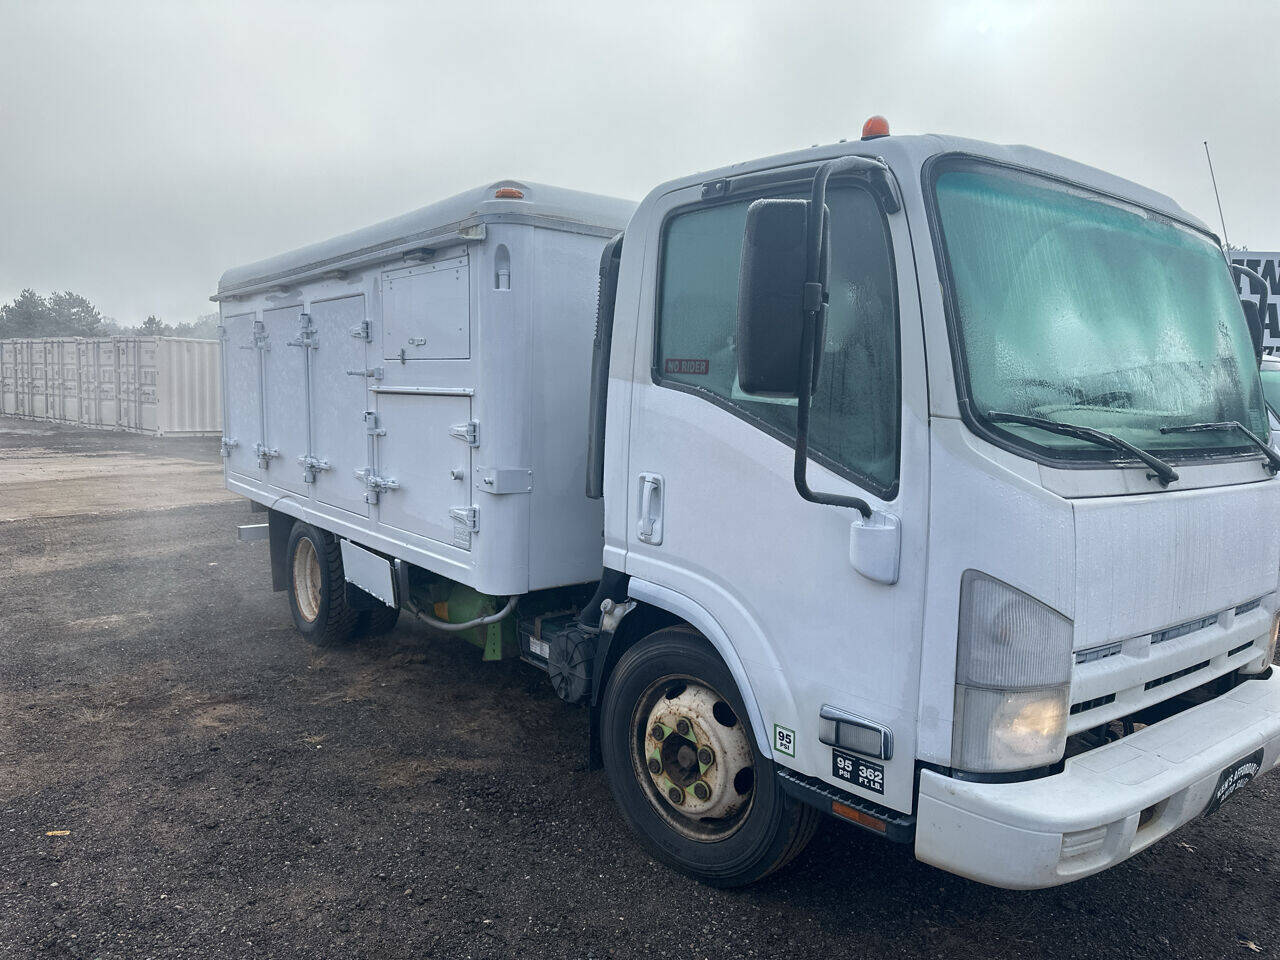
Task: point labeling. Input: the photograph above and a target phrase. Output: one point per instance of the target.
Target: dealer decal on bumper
(1233, 779)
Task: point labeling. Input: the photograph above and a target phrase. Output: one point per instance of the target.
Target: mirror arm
(814, 303)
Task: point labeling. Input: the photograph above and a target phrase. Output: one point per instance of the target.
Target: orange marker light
(876, 126)
(858, 817)
(508, 193)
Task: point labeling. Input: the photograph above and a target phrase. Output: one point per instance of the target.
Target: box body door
(431, 466)
(243, 428)
(285, 398)
(339, 398)
(426, 311)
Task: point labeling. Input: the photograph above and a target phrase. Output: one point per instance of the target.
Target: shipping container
(157, 385)
(8, 378)
(97, 382)
(62, 369)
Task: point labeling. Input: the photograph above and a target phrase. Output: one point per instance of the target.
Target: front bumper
(1106, 805)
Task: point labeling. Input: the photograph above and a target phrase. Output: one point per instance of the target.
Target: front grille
(1170, 677)
(1099, 653)
(1093, 704)
(1240, 649)
(1249, 605)
(1182, 629)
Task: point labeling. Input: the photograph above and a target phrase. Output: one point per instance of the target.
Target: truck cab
(1029, 650)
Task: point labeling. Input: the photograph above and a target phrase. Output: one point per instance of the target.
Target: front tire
(318, 587)
(685, 769)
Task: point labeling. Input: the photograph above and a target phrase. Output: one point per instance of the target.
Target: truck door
(712, 510)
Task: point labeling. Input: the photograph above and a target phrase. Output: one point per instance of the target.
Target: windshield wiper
(1272, 462)
(1163, 472)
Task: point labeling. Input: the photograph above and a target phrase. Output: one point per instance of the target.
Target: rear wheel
(685, 769)
(317, 586)
(378, 621)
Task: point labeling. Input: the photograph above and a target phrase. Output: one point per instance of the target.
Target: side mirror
(1255, 327)
(782, 303)
(771, 298)
(1255, 314)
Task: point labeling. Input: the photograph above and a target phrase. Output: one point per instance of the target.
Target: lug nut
(657, 732)
(655, 766)
(706, 757)
(675, 795)
(701, 790)
(682, 727)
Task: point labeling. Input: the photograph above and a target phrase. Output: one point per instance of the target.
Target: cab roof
(908, 154)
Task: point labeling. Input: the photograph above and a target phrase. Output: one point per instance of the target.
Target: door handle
(651, 501)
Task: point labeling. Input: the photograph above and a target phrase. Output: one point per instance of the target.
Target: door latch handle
(651, 503)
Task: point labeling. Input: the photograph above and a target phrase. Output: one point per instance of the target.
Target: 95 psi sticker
(784, 740)
(859, 772)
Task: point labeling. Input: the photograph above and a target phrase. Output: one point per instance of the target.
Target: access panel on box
(426, 312)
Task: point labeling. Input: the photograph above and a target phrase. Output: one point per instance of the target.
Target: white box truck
(928, 485)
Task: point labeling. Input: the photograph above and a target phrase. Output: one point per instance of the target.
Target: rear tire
(317, 586)
(378, 621)
(726, 822)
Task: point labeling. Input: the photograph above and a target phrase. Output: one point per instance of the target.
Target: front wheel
(685, 769)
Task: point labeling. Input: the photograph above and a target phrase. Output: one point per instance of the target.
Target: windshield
(1077, 308)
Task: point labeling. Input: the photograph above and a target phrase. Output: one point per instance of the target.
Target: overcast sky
(146, 147)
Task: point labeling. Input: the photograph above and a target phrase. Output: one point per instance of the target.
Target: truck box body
(420, 386)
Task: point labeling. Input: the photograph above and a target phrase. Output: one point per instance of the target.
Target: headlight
(1013, 679)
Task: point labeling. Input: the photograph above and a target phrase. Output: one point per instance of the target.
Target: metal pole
(1221, 218)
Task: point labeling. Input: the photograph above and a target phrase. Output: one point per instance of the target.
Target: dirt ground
(181, 775)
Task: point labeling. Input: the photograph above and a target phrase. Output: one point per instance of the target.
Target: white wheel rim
(699, 773)
(306, 579)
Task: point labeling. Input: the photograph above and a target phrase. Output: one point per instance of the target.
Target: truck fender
(697, 617)
(279, 526)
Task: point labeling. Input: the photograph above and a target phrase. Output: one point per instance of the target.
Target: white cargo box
(420, 386)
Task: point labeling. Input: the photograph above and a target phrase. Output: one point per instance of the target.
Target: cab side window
(854, 425)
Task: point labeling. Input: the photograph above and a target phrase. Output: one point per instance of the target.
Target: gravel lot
(230, 791)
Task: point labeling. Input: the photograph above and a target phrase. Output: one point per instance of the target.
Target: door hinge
(310, 466)
(715, 188)
(468, 433)
(306, 334)
(371, 424)
(466, 517)
(374, 484)
(364, 331)
(227, 445)
(265, 455)
(372, 373)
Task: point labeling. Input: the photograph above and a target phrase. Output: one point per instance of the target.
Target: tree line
(68, 314)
